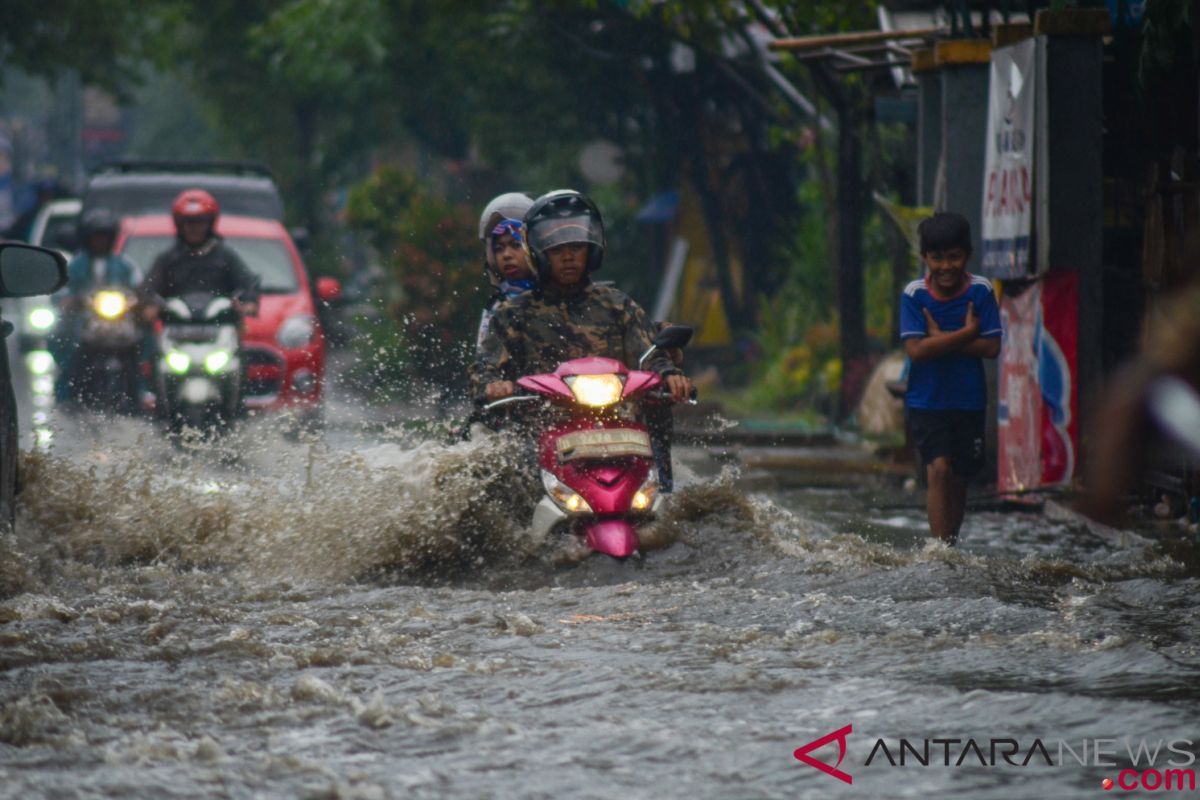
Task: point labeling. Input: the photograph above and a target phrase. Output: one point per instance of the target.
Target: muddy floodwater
(363, 616)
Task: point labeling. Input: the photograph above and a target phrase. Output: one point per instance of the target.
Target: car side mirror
(26, 270)
(328, 289)
(300, 237)
(674, 337)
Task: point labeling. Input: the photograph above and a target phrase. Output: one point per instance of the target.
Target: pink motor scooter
(596, 460)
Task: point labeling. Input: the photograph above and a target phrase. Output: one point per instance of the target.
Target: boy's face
(946, 268)
(510, 258)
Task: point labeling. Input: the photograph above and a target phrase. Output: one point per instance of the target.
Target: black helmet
(98, 220)
(563, 217)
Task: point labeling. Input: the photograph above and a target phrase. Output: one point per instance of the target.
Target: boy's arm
(982, 347)
(938, 342)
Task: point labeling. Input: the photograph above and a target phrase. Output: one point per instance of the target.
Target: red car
(283, 346)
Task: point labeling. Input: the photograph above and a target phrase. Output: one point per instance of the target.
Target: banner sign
(1008, 168)
(1038, 397)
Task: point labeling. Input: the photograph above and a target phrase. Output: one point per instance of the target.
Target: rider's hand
(499, 389)
(680, 387)
(246, 309)
(150, 313)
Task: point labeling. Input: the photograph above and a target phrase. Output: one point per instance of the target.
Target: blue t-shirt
(952, 381)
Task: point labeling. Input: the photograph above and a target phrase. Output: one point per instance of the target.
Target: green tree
(429, 249)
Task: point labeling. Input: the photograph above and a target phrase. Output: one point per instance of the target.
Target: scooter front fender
(198, 391)
(545, 516)
(613, 537)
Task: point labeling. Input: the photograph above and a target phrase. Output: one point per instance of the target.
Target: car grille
(264, 372)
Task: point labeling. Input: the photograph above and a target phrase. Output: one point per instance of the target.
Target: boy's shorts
(949, 432)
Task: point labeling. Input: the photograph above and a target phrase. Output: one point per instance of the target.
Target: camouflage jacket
(534, 332)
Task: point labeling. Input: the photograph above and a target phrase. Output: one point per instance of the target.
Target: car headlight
(42, 319)
(297, 331)
(567, 498)
(216, 361)
(178, 362)
(596, 390)
(643, 498)
(109, 305)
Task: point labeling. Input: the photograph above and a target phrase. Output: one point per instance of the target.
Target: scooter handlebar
(507, 401)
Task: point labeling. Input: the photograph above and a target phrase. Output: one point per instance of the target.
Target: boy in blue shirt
(949, 322)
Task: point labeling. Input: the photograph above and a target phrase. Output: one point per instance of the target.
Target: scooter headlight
(178, 362)
(596, 391)
(109, 304)
(567, 498)
(42, 319)
(643, 498)
(216, 361)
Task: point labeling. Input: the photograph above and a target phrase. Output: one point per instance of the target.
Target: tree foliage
(106, 41)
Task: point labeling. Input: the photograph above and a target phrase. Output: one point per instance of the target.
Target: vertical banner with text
(1008, 169)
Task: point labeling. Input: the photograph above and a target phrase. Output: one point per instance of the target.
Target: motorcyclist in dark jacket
(200, 261)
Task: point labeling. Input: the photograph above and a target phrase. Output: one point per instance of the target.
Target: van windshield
(136, 195)
(266, 258)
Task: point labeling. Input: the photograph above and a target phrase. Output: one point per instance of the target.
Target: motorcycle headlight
(596, 390)
(216, 361)
(109, 305)
(567, 498)
(42, 319)
(297, 331)
(178, 362)
(643, 498)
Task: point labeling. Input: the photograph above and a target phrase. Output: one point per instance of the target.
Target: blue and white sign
(1008, 189)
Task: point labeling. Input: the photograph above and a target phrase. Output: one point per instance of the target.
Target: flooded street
(363, 617)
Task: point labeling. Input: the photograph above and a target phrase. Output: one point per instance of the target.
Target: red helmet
(195, 203)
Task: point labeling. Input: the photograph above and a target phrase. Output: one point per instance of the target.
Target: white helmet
(511, 205)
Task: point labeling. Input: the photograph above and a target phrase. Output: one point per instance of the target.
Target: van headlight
(42, 319)
(297, 331)
(40, 362)
(596, 391)
(567, 498)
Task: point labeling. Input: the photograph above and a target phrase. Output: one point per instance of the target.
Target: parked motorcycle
(106, 377)
(594, 452)
(200, 362)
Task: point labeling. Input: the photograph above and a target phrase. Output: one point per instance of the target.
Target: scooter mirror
(673, 337)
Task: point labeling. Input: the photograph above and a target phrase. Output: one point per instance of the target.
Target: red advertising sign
(1038, 403)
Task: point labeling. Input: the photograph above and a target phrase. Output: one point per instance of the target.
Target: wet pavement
(362, 615)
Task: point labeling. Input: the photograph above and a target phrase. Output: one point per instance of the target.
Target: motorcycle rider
(567, 315)
(94, 265)
(199, 261)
